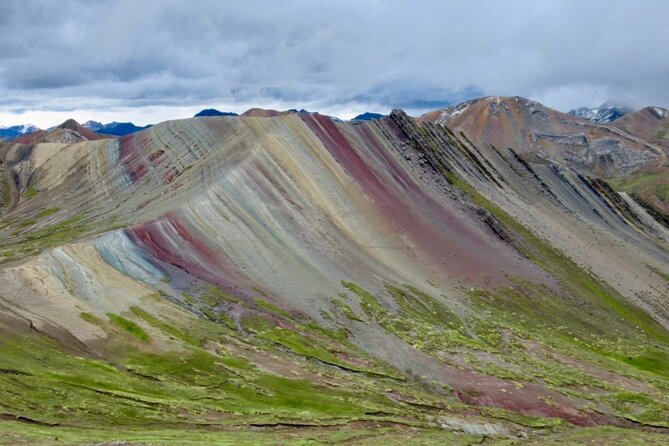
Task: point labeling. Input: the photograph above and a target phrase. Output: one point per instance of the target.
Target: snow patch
(605, 113)
(22, 129)
(450, 113)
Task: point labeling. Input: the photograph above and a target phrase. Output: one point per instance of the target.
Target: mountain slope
(534, 130)
(290, 270)
(650, 123)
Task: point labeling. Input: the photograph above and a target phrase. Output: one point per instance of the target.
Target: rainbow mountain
(488, 272)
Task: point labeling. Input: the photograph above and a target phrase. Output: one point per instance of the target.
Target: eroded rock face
(68, 136)
(567, 140)
(612, 157)
(487, 429)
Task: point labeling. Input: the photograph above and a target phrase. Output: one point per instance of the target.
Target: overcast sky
(148, 61)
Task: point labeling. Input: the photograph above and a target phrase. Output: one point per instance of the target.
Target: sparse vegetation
(129, 326)
(648, 184)
(5, 190)
(40, 239)
(30, 192)
(46, 212)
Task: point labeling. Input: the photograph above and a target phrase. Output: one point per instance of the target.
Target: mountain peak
(659, 112)
(213, 112)
(93, 125)
(368, 116)
(607, 112)
(70, 124)
(69, 131)
(489, 106)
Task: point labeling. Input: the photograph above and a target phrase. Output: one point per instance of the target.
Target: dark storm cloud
(330, 55)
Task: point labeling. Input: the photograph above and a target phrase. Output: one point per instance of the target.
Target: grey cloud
(418, 55)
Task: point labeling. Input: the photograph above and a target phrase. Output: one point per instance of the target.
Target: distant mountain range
(213, 112)
(68, 132)
(114, 128)
(368, 116)
(607, 112)
(12, 132)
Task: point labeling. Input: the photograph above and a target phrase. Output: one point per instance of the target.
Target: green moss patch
(129, 326)
(47, 212)
(30, 192)
(44, 238)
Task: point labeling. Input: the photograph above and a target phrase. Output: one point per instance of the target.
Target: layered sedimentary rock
(477, 282)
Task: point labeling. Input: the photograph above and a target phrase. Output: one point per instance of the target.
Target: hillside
(542, 133)
(650, 123)
(652, 185)
(279, 277)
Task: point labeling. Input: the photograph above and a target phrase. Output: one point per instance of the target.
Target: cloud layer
(152, 60)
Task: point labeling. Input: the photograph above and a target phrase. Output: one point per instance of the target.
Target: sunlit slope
(292, 270)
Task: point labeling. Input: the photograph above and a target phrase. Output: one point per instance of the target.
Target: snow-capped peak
(607, 112)
(93, 125)
(662, 113)
(22, 129)
(11, 132)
